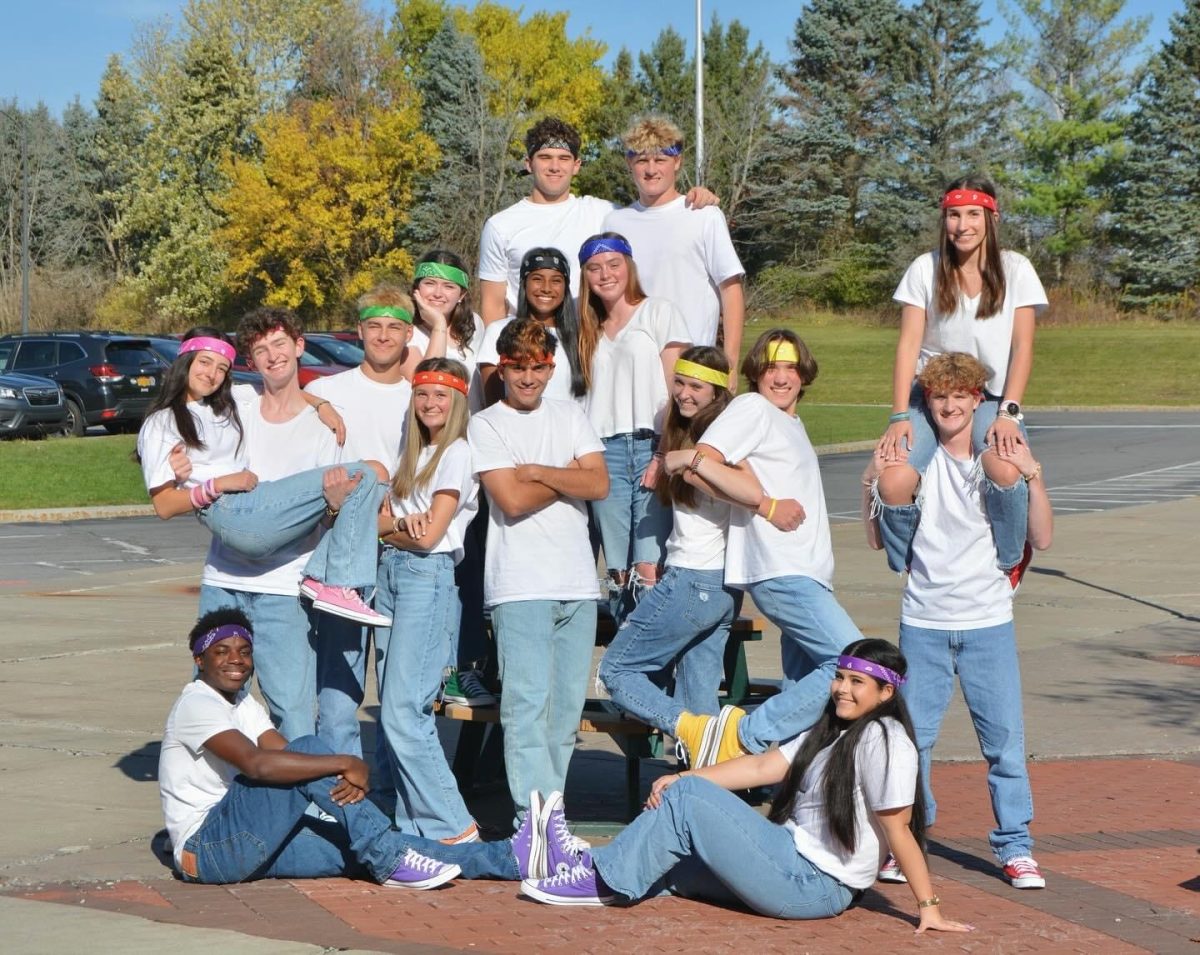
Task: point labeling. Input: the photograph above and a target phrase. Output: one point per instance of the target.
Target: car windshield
(344, 353)
(168, 348)
(132, 353)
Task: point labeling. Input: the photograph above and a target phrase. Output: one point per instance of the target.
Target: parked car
(106, 378)
(310, 367)
(332, 349)
(168, 349)
(31, 405)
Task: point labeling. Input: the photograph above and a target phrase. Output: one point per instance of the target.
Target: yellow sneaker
(726, 743)
(690, 733)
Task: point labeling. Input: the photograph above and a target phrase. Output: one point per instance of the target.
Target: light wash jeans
(545, 650)
(685, 617)
(261, 831)
(990, 676)
(417, 591)
(341, 681)
(634, 524)
(276, 513)
(285, 653)
(703, 842)
(1007, 507)
(814, 629)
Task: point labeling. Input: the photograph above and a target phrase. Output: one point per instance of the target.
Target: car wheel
(76, 425)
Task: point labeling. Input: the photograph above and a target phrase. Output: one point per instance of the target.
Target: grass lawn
(1134, 363)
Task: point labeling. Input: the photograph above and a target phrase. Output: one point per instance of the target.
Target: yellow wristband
(771, 509)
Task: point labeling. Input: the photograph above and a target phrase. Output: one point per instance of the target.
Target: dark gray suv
(30, 406)
(106, 378)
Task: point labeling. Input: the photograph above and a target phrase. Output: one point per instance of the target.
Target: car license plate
(144, 381)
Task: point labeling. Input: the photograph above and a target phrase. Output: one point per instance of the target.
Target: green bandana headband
(440, 270)
(385, 311)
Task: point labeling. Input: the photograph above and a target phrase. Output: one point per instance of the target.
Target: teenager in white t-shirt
(373, 400)
(683, 255)
(683, 621)
(550, 216)
(956, 613)
(545, 294)
(968, 296)
(433, 499)
(236, 794)
(779, 549)
(849, 792)
(539, 462)
(629, 345)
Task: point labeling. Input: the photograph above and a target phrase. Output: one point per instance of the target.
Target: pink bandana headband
(880, 672)
(202, 343)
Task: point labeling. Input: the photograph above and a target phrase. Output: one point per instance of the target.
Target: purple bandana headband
(203, 343)
(221, 633)
(593, 247)
(876, 670)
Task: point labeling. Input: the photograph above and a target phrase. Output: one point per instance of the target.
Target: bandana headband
(218, 634)
(695, 370)
(672, 150)
(440, 270)
(969, 197)
(553, 144)
(593, 247)
(203, 343)
(880, 672)
(782, 350)
(977, 392)
(386, 311)
(550, 259)
(439, 378)
(544, 360)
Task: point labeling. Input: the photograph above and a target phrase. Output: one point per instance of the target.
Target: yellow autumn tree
(314, 221)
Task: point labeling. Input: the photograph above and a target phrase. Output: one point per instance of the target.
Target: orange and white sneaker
(1023, 873)
(470, 834)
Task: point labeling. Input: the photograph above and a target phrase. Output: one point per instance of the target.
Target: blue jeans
(634, 524)
(261, 831)
(341, 681)
(545, 650)
(417, 591)
(685, 617)
(277, 513)
(990, 676)
(1007, 507)
(703, 842)
(285, 655)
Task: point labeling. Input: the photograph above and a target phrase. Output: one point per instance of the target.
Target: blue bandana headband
(593, 247)
(221, 633)
(675, 150)
(880, 672)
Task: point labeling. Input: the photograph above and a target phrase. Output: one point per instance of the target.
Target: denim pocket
(707, 604)
(232, 859)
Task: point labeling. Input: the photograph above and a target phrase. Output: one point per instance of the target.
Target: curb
(58, 515)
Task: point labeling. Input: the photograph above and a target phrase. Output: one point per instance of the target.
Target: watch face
(1012, 408)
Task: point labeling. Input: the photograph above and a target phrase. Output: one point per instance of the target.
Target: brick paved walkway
(1117, 840)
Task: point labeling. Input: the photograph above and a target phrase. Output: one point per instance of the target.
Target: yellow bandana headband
(703, 372)
(782, 350)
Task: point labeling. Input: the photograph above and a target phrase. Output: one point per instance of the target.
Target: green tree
(1156, 214)
(1075, 60)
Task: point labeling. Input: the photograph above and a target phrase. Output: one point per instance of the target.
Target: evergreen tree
(1156, 221)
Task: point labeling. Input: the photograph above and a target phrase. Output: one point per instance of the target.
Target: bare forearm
(583, 484)
(733, 320)
(284, 767)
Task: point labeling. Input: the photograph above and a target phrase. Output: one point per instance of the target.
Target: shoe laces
(579, 872)
(414, 860)
(567, 839)
(1023, 865)
(470, 683)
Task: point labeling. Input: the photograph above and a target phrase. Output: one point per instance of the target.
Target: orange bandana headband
(439, 378)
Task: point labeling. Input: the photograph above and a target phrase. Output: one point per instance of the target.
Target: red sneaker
(1017, 574)
(1024, 873)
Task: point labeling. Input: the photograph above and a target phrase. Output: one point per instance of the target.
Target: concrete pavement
(1109, 628)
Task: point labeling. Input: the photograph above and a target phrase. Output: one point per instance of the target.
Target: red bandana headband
(969, 197)
(543, 360)
(439, 378)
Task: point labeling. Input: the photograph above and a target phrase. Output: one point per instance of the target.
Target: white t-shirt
(559, 385)
(545, 555)
(886, 779)
(629, 386)
(988, 339)
(276, 451)
(697, 539)
(776, 447)
(454, 473)
(525, 225)
(954, 583)
(374, 414)
(190, 779)
(682, 255)
(469, 357)
(224, 451)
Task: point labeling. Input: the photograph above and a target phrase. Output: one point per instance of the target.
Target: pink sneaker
(347, 602)
(311, 588)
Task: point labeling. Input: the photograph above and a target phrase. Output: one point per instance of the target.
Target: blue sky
(55, 50)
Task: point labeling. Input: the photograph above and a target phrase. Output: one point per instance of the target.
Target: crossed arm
(267, 761)
(527, 488)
